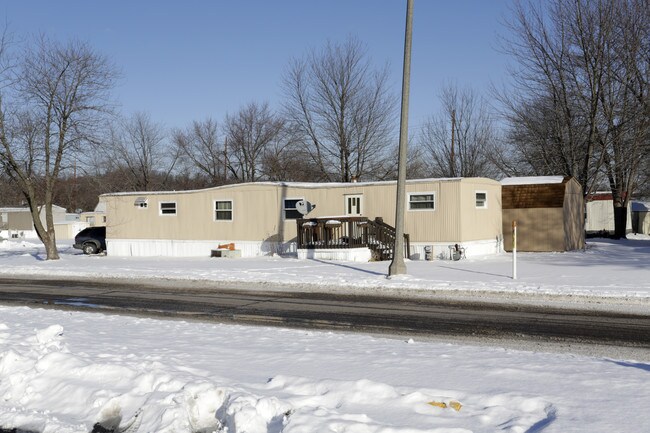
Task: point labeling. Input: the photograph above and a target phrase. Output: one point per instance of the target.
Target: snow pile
(64, 373)
(13, 245)
(79, 372)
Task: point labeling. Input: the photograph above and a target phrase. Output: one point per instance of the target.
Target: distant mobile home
(600, 213)
(96, 218)
(16, 222)
(641, 217)
(260, 218)
(548, 210)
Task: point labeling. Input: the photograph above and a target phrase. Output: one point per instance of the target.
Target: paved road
(335, 311)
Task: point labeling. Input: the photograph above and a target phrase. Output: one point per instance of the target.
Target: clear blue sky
(187, 60)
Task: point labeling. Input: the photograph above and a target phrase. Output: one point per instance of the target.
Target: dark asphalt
(334, 311)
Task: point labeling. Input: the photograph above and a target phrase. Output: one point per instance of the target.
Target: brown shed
(549, 212)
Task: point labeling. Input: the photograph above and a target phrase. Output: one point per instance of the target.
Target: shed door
(353, 205)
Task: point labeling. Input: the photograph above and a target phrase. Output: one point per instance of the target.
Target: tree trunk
(620, 222)
(50, 248)
(46, 236)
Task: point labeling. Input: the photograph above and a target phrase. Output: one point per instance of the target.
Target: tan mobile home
(549, 212)
(16, 222)
(260, 218)
(96, 218)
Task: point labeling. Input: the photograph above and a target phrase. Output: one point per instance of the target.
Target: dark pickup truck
(91, 240)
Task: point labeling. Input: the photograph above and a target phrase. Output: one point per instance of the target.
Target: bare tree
(50, 108)
(458, 141)
(284, 159)
(624, 133)
(549, 128)
(579, 106)
(250, 133)
(9, 196)
(138, 147)
(342, 109)
(203, 149)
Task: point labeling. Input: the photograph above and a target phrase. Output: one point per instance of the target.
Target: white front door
(353, 205)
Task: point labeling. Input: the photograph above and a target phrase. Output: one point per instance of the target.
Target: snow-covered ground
(614, 270)
(63, 372)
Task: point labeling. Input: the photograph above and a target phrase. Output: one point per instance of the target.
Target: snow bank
(65, 373)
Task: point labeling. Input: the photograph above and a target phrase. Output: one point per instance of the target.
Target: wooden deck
(349, 232)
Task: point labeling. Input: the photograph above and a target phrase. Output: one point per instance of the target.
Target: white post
(514, 250)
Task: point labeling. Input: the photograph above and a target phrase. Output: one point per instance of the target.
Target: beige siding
(94, 219)
(68, 230)
(574, 217)
(20, 221)
(195, 219)
(21, 218)
(540, 229)
(441, 224)
(480, 223)
(258, 213)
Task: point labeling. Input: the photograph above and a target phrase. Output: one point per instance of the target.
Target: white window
(422, 201)
(141, 202)
(167, 208)
(481, 200)
(223, 210)
(289, 209)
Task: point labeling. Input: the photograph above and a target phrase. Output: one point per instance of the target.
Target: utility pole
(225, 160)
(453, 155)
(74, 187)
(397, 266)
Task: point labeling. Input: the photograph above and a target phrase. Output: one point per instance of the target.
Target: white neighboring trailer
(600, 213)
(260, 218)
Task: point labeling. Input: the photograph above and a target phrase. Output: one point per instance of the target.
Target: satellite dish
(304, 207)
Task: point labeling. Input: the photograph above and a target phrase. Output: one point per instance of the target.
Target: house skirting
(191, 248)
(344, 254)
(442, 250)
(194, 248)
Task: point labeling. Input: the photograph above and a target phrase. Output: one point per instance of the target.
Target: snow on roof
(14, 209)
(306, 185)
(600, 196)
(532, 180)
(25, 208)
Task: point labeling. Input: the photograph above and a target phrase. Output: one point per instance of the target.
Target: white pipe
(514, 250)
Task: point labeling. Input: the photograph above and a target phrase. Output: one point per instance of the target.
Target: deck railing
(349, 232)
